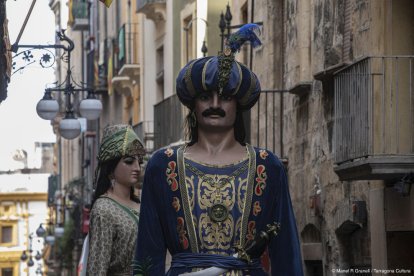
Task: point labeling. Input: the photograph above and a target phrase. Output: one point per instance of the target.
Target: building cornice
(10, 256)
(23, 197)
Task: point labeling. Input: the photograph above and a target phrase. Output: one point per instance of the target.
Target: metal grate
(267, 121)
(142, 3)
(374, 108)
(168, 122)
(127, 38)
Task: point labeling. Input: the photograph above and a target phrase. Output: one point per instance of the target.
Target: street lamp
(186, 29)
(59, 231)
(39, 270)
(90, 107)
(30, 263)
(49, 236)
(40, 232)
(47, 108)
(50, 239)
(29, 258)
(70, 127)
(24, 256)
(403, 186)
(225, 25)
(38, 256)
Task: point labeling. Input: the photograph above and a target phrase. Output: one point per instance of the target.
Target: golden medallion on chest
(218, 211)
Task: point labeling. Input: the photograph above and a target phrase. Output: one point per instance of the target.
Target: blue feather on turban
(248, 32)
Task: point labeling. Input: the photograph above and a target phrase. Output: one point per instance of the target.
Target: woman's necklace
(218, 211)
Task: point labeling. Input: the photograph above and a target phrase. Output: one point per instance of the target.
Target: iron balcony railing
(142, 3)
(79, 15)
(264, 125)
(80, 9)
(266, 119)
(127, 38)
(168, 122)
(374, 108)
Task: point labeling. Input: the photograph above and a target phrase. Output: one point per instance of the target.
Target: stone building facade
(336, 106)
(341, 115)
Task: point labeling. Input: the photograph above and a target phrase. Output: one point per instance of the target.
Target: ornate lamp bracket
(40, 53)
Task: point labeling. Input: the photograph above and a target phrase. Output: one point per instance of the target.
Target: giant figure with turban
(217, 203)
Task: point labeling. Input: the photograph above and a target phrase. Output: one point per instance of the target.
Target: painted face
(215, 112)
(128, 170)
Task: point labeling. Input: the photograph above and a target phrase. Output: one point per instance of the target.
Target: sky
(21, 127)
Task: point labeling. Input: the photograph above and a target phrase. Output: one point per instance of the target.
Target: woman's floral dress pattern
(112, 238)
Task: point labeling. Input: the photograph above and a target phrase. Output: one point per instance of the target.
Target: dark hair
(103, 183)
(191, 129)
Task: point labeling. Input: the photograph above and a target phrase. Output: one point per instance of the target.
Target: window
(373, 118)
(6, 234)
(7, 271)
(160, 73)
(121, 47)
(189, 34)
(189, 39)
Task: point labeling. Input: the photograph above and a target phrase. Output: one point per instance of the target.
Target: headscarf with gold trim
(118, 141)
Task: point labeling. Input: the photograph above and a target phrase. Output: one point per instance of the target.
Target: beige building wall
(304, 43)
(151, 94)
(314, 38)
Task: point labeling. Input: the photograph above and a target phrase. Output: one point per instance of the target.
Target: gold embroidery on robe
(215, 237)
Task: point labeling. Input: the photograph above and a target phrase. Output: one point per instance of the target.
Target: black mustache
(214, 111)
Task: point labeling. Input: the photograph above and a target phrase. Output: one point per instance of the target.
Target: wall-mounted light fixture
(226, 27)
(47, 108)
(186, 29)
(40, 231)
(28, 257)
(403, 186)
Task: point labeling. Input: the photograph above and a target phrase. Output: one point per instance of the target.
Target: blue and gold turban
(222, 73)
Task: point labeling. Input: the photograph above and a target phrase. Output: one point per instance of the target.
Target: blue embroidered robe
(174, 212)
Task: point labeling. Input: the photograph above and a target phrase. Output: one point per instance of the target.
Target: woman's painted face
(128, 170)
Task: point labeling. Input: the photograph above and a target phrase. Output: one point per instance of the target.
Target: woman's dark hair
(103, 183)
(192, 128)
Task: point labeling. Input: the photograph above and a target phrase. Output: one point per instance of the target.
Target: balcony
(153, 9)
(266, 122)
(127, 61)
(79, 15)
(168, 122)
(374, 119)
(99, 67)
